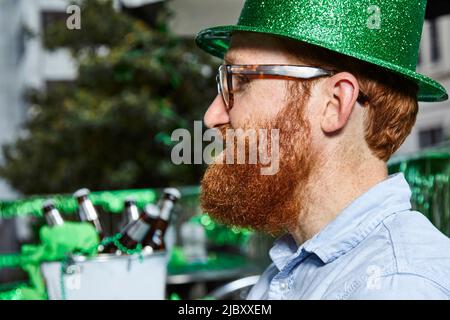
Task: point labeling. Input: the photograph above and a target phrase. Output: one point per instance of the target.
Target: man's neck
(331, 190)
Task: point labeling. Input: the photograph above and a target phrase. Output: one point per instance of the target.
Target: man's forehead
(255, 48)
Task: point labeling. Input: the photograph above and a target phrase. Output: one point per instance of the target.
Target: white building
(433, 121)
(191, 16)
(11, 106)
(24, 63)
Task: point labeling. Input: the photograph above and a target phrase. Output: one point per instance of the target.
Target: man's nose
(216, 114)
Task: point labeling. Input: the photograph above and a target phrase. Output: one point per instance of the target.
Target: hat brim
(216, 41)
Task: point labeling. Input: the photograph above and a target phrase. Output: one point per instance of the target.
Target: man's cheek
(270, 155)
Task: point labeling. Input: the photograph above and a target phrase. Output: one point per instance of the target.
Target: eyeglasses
(228, 84)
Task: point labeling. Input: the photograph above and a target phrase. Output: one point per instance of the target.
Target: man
(337, 79)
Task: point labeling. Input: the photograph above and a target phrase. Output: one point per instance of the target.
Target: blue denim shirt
(376, 248)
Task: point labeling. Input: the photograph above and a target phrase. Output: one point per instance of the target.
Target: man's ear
(341, 94)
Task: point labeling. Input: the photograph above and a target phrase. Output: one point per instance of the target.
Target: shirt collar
(351, 226)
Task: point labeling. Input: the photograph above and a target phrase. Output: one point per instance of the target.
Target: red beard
(239, 195)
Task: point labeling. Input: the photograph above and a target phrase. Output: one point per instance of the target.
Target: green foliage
(111, 127)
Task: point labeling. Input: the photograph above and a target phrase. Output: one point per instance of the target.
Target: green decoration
(115, 239)
(178, 263)
(111, 201)
(174, 296)
(222, 235)
(428, 174)
(56, 244)
(385, 33)
(21, 292)
(10, 260)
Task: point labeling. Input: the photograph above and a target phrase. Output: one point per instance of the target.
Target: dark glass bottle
(130, 213)
(134, 233)
(154, 241)
(87, 212)
(51, 214)
(152, 211)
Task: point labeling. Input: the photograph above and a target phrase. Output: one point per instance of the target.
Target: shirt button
(283, 286)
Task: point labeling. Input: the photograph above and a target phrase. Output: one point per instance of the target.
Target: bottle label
(157, 237)
(138, 230)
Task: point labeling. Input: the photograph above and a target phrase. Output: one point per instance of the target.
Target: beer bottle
(154, 241)
(51, 214)
(153, 212)
(134, 233)
(130, 213)
(87, 212)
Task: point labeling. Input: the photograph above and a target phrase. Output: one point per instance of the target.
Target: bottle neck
(166, 209)
(53, 218)
(87, 211)
(131, 213)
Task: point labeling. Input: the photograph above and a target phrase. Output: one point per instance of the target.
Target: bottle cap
(130, 200)
(81, 193)
(48, 204)
(173, 192)
(151, 210)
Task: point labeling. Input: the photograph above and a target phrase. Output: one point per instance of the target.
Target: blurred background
(96, 107)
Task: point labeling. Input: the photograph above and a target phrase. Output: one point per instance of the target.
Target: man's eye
(240, 82)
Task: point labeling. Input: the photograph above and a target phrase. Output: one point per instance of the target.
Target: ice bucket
(107, 277)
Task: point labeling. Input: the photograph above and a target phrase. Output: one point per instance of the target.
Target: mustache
(222, 129)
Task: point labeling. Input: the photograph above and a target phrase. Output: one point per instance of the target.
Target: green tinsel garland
(428, 174)
(111, 201)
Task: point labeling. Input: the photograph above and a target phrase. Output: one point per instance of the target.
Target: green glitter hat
(383, 32)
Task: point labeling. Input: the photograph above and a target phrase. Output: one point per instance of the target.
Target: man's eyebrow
(229, 59)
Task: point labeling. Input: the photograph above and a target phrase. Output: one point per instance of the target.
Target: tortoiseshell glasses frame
(225, 74)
